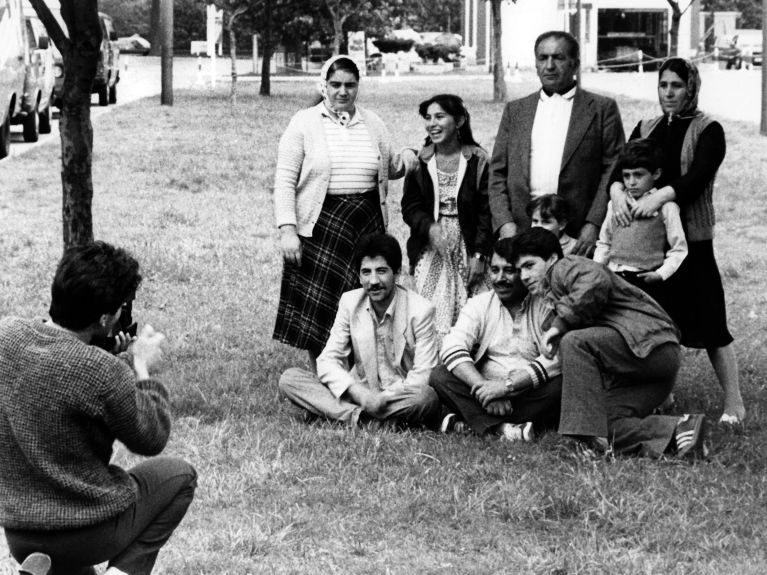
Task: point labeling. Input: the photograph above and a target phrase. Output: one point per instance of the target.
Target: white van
(12, 69)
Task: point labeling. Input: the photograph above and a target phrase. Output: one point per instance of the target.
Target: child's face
(547, 223)
(637, 181)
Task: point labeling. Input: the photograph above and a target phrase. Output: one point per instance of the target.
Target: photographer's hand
(122, 341)
(147, 351)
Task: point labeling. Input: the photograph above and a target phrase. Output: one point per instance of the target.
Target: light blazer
(353, 337)
(594, 138)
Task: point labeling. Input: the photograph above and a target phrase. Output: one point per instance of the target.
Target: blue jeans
(131, 540)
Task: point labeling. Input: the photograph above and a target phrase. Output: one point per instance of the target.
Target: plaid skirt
(309, 294)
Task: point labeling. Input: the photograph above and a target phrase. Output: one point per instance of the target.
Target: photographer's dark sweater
(63, 404)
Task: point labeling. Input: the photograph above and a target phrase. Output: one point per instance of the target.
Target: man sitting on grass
(619, 352)
(64, 404)
(381, 350)
(494, 377)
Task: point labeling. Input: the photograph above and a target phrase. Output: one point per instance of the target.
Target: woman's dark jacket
(419, 209)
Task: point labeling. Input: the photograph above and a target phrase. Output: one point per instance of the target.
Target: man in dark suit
(561, 140)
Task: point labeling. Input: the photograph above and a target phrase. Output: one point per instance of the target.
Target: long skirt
(696, 299)
(309, 294)
(442, 280)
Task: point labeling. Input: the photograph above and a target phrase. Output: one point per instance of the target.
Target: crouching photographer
(65, 402)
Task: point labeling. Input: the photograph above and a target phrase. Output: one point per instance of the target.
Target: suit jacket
(353, 338)
(594, 138)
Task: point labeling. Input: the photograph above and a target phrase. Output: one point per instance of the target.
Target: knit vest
(641, 245)
(699, 216)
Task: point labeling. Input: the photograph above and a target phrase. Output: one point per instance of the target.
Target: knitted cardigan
(699, 216)
(64, 403)
(303, 167)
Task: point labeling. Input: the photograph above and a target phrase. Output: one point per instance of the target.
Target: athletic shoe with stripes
(517, 431)
(690, 436)
(451, 423)
(36, 564)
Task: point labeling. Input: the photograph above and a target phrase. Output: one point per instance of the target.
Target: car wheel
(31, 126)
(113, 94)
(103, 92)
(45, 120)
(5, 137)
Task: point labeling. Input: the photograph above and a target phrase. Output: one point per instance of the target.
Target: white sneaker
(517, 431)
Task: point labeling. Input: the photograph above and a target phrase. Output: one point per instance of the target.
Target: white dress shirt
(547, 141)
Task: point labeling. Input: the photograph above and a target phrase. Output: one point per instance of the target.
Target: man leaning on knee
(65, 402)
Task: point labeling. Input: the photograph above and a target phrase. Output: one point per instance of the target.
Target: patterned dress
(442, 280)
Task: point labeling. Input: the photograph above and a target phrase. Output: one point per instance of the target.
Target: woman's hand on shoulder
(290, 245)
(621, 208)
(409, 160)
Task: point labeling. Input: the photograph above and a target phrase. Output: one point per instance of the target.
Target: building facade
(611, 32)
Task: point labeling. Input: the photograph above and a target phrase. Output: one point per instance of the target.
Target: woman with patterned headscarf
(693, 147)
(333, 165)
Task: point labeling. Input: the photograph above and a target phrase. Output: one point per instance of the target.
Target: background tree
(676, 17)
(750, 10)
(499, 82)
(80, 49)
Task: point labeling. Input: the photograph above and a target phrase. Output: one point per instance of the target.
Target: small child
(551, 212)
(648, 251)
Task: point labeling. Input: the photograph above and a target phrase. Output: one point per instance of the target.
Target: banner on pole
(356, 43)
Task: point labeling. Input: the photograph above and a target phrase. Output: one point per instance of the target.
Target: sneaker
(451, 423)
(690, 437)
(36, 564)
(517, 431)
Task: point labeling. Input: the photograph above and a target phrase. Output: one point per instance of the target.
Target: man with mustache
(559, 140)
(381, 350)
(495, 378)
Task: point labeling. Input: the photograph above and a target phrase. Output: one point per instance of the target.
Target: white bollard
(641, 62)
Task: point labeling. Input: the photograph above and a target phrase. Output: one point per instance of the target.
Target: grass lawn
(188, 190)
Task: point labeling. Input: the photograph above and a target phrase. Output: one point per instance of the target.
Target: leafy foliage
(750, 10)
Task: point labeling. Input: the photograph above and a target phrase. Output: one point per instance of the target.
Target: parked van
(35, 113)
(11, 68)
(107, 71)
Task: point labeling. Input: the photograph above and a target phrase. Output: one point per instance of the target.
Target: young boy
(648, 251)
(552, 212)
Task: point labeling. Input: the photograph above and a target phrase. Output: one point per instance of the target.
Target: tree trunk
(676, 16)
(80, 53)
(266, 57)
(233, 58)
(499, 83)
(155, 30)
(338, 33)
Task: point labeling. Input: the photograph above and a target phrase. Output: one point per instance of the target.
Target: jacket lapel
(364, 341)
(524, 132)
(580, 120)
(399, 324)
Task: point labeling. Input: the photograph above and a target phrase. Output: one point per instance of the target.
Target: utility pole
(166, 57)
(764, 70)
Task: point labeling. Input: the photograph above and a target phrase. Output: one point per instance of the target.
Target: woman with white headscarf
(333, 165)
(693, 147)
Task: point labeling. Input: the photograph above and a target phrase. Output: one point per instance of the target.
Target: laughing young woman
(445, 204)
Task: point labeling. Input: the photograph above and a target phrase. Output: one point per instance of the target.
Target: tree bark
(499, 83)
(233, 58)
(80, 52)
(676, 16)
(266, 57)
(155, 29)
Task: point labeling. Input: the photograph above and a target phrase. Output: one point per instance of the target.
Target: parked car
(11, 68)
(134, 45)
(744, 47)
(107, 72)
(35, 112)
